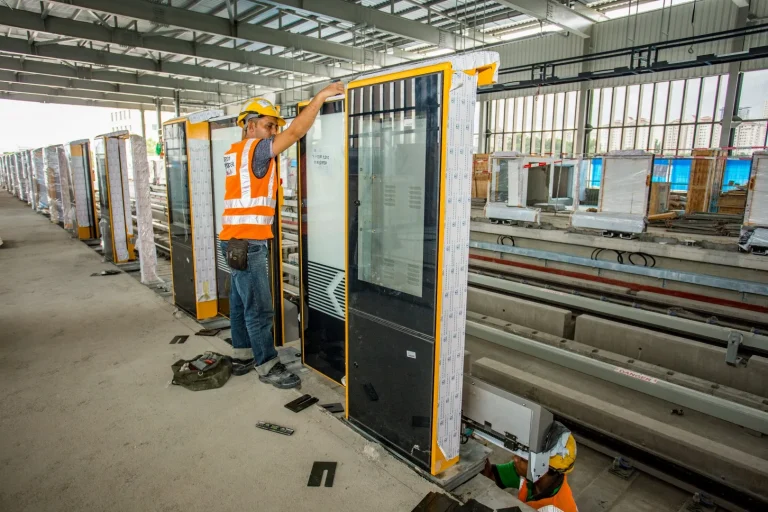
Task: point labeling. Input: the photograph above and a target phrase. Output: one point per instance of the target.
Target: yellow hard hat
(259, 107)
(563, 456)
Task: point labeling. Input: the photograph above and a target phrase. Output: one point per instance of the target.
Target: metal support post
(159, 121)
(582, 115)
(143, 126)
(734, 68)
(482, 128)
(176, 102)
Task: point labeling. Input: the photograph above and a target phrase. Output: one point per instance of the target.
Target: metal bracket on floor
(700, 502)
(732, 351)
(622, 468)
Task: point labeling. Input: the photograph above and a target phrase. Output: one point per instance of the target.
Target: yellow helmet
(259, 107)
(563, 456)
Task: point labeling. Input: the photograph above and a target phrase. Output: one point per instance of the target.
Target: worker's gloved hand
(488, 469)
(334, 89)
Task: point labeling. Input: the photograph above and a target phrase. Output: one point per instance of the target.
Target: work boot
(242, 366)
(280, 377)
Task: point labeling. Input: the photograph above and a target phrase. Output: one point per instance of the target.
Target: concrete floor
(90, 422)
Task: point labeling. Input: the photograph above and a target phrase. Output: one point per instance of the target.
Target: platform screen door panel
(179, 221)
(626, 184)
(321, 220)
(105, 225)
(394, 171)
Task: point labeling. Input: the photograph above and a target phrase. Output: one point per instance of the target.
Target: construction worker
(548, 492)
(250, 198)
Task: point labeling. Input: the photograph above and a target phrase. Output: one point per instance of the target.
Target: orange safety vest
(561, 502)
(249, 202)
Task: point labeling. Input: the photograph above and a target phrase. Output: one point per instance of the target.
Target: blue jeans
(250, 305)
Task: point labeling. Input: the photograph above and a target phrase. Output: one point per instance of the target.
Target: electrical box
(321, 173)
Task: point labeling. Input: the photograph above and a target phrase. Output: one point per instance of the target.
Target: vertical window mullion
(666, 116)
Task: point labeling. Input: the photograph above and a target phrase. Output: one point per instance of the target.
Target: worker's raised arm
(302, 123)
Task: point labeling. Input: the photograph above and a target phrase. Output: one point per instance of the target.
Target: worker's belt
(237, 254)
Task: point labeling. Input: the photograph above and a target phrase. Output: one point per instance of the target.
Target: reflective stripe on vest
(238, 220)
(249, 202)
(561, 502)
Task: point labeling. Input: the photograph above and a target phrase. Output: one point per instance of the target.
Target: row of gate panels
(56, 180)
(195, 176)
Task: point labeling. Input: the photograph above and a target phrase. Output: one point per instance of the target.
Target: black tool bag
(237, 254)
(206, 371)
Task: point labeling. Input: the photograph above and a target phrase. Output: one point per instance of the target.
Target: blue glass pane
(597, 173)
(681, 173)
(736, 173)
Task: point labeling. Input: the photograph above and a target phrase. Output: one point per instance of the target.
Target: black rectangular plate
(337, 407)
(301, 403)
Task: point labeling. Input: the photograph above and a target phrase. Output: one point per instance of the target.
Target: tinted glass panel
(394, 166)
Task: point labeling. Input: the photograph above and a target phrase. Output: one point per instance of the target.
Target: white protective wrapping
(756, 211)
(626, 182)
(39, 171)
(79, 167)
(203, 236)
(11, 174)
(127, 177)
(16, 180)
(22, 178)
(139, 164)
(53, 183)
(117, 205)
(455, 236)
(30, 175)
(67, 194)
(614, 222)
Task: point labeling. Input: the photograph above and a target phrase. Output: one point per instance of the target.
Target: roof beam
(199, 22)
(102, 58)
(389, 23)
(27, 20)
(213, 99)
(117, 77)
(73, 93)
(553, 12)
(62, 100)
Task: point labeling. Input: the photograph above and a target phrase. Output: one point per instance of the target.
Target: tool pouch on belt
(237, 254)
(197, 374)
